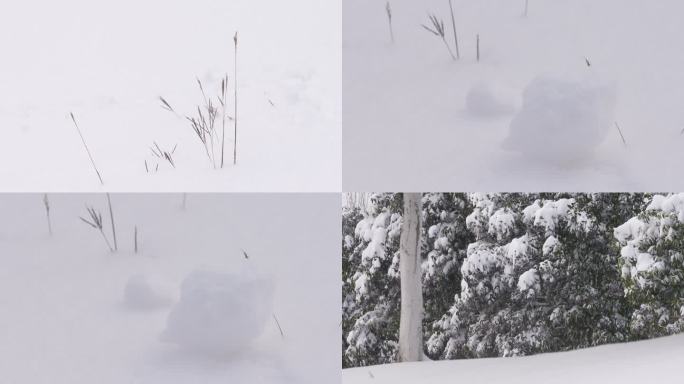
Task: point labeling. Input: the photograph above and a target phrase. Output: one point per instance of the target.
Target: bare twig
(526, 6)
(86, 148)
(478, 47)
(135, 239)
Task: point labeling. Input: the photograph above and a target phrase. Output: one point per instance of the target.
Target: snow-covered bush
(551, 283)
(220, 312)
(562, 120)
(652, 260)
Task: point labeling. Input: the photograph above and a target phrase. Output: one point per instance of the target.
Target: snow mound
(220, 312)
(562, 120)
(148, 292)
(485, 100)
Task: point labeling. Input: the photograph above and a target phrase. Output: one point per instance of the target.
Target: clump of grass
(437, 29)
(162, 154)
(203, 124)
(453, 26)
(388, 10)
(86, 148)
(46, 202)
(95, 221)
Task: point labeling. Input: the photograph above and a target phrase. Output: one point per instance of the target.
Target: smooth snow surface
(66, 301)
(148, 292)
(220, 312)
(653, 361)
(414, 119)
(108, 62)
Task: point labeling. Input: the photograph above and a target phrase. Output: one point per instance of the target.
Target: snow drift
(220, 312)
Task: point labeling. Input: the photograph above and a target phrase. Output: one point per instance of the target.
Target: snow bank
(651, 361)
(220, 312)
(486, 100)
(148, 292)
(562, 120)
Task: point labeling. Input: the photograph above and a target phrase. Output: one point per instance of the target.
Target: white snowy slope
(72, 312)
(108, 62)
(652, 361)
(537, 112)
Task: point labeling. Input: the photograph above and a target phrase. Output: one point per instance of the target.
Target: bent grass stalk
(437, 29)
(95, 221)
(86, 148)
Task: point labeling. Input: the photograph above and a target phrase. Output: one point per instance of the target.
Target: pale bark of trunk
(411, 323)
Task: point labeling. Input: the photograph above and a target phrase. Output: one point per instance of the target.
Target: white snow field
(537, 112)
(108, 62)
(652, 361)
(73, 312)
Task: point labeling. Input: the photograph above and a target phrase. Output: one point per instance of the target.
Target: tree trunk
(411, 323)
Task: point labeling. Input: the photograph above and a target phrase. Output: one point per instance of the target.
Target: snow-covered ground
(72, 312)
(109, 61)
(652, 361)
(531, 114)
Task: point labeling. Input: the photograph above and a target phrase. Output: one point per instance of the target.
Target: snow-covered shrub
(551, 284)
(220, 312)
(562, 120)
(652, 260)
